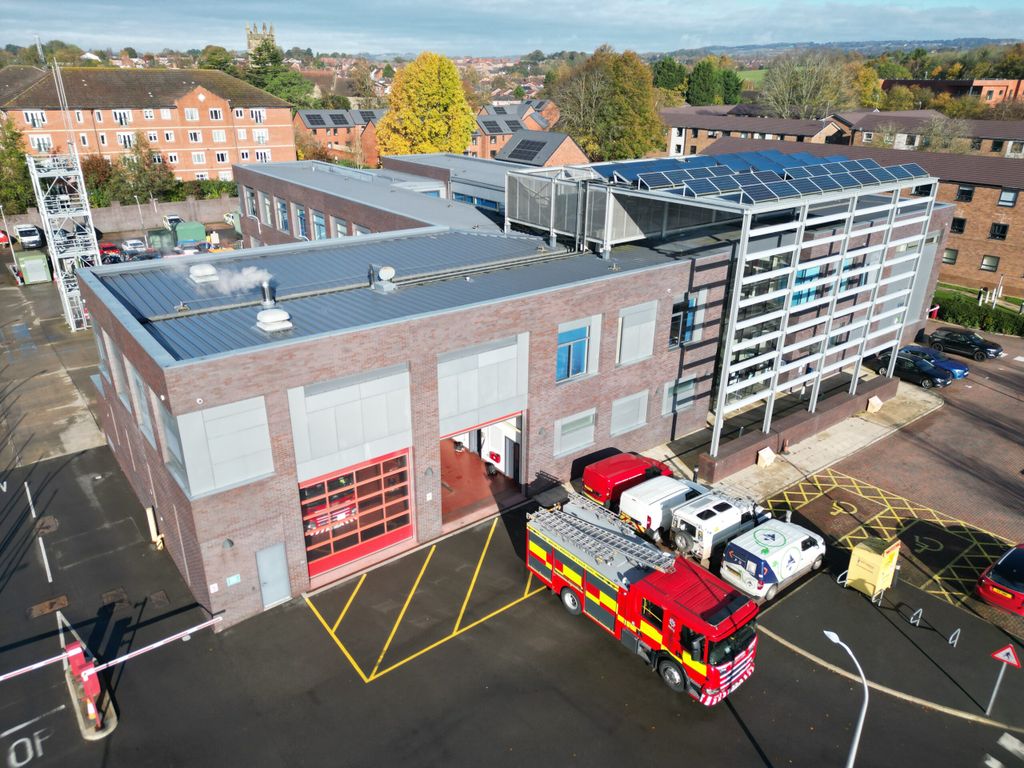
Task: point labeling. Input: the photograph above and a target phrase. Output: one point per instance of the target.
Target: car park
(913, 369)
(764, 560)
(957, 369)
(171, 220)
(963, 341)
(29, 236)
(1002, 583)
(109, 253)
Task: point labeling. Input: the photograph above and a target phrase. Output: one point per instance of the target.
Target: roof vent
(382, 278)
(202, 273)
(273, 320)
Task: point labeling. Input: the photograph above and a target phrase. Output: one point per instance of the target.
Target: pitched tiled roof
(689, 118)
(548, 142)
(16, 78)
(916, 119)
(100, 88)
(325, 118)
(969, 169)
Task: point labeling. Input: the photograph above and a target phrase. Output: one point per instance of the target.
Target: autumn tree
(899, 98)
(474, 88)
(308, 148)
(217, 57)
(808, 86)
(15, 184)
(943, 134)
(428, 110)
(866, 87)
(136, 174)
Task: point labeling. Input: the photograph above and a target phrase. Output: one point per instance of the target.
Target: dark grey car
(964, 342)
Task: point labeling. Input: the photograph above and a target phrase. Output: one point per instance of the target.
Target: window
(168, 135)
(222, 157)
(805, 276)
(975, 144)
(300, 222)
(250, 200)
(239, 113)
(340, 227)
(97, 116)
(140, 396)
(922, 191)
(165, 114)
(117, 369)
(258, 115)
(319, 226)
(158, 159)
(224, 175)
(989, 263)
(571, 357)
(152, 137)
(103, 139)
(198, 158)
(126, 140)
(121, 116)
(685, 324)
(989, 94)
(220, 136)
(957, 226)
(216, 113)
(243, 155)
(629, 413)
(1008, 198)
(267, 219)
(202, 176)
(911, 140)
(191, 114)
(636, 332)
(360, 230)
(1016, 147)
(262, 155)
(242, 134)
(712, 134)
(172, 158)
(652, 613)
(949, 256)
(867, 137)
(282, 215)
(575, 432)
(41, 142)
(174, 457)
(678, 395)
(964, 193)
(148, 114)
(195, 137)
(35, 118)
(101, 348)
(998, 231)
(79, 117)
(84, 139)
(997, 145)
(261, 135)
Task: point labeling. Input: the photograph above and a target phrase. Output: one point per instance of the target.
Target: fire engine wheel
(672, 675)
(571, 601)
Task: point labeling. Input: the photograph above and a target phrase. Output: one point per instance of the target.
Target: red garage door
(355, 511)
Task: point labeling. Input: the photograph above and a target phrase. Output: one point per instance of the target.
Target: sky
(500, 27)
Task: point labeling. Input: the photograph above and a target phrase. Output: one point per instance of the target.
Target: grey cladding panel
(482, 383)
(226, 445)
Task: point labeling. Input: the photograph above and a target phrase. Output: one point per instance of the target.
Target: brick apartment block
(692, 129)
(903, 130)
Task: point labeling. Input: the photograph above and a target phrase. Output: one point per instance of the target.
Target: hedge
(964, 310)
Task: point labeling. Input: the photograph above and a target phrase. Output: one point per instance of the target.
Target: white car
(762, 561)
(28, 235)
(171, 220)
(133, 247)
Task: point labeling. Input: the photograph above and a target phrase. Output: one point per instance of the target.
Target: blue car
(939, 360)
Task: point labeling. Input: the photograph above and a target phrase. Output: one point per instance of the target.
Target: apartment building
(904, 130)
(533, 114)
(346, 134)
(692, 129)
(985, 241)
(988, 91)
(199, 122)
(542, 148)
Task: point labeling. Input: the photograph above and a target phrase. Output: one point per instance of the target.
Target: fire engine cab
(691, 627)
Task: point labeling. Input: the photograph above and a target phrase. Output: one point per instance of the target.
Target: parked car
(914, 370)
(109, 253)
(5, 239)
(171, 220)
(764, 560)
(133, 247)
(964, 342)
(939, 360)
(1002, 583)
(29, 236)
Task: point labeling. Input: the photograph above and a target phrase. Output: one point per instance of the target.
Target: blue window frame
(282, 216)
(571, 359)
(684, 314)
(805, 276)
(458, 197)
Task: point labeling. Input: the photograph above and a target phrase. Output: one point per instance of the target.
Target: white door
(272, 565)
(35, 271)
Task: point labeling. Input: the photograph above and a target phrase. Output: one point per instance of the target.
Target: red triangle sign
(1007, 655)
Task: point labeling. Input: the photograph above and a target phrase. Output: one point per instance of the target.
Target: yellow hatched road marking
(401, 615)
(351, 597)
(337, 642)
(476, 573)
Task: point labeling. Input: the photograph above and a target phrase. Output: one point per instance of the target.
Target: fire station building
(296, 413)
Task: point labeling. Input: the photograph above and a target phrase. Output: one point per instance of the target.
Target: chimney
(268, 295)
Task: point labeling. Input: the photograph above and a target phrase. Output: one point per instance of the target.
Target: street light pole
(142, 223)
(863, 707)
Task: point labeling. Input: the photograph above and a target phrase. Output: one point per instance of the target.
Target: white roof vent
(202, 273)
(273, 320)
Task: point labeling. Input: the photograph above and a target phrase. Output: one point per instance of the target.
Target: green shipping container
(190, 232)
(162, 240)
(34, 266)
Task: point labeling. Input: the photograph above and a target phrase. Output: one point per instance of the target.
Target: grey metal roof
(378, 191)
(193, 336)
(474, 170)
(552, 140)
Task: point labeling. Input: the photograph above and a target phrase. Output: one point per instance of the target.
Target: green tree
(732, 86)
(705, 84)
(808, 85)
(130, 52)
(97, 171)
(669, 74)
(15, 183)
(519, 92)
(135, 174)
(899, 97)
(292, 87)
(389, 71)
(888, 69)
(334, 101)
(217, 57)
(265, 61)
(428, 110)
(866, 87)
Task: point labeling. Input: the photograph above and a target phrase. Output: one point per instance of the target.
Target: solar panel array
(500, 111)
(315, 119)
(491, 126)
(757, 177)
(526, 151)
(367, 115)
(339, 118)
(514, 125)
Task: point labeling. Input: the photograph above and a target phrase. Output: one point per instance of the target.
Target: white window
(258, 115)
(262, 155)
(168, 135)
(260, 135)
(103, 139)
(140, 399)
(121, 116)
(191, 114)
(97, 116)
(165, 114)
(239, 113)
(629, 413)
(84, 139)
(195, 137)
(172, 158)
(340, 227)
(636, 332)
(102, 349)
(678, 395)
(244, 154)
(152, 136)
(158, 159)
(117, 368)
(148, 114)
(222, 157)
(41, 142)
(79, 117)
(199, 158)
(1008, 198)
(35, 118)
(241, 134)
(219, 136)
(224, 175)
(126, 140)
(216, 113)
(575, 432)
(578, 345)
(202, 175)
(867, 137)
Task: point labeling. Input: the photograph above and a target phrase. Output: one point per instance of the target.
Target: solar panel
(868, 164)
(701, 173)
(701, 187)
(656, 180)
(881, 174)
(759, 193)
(725, 183)
(826, 182)
(798, 173)
(900, 172)
(315, 120)
(736, 163)
(721, 170)
(700, 162)
(916, 170)
(864, 177)
(367, 115)
(339, 118)
(500, 111)
(783, 189)
(678, 177)
(491, 126)
(845, 180)
(514, 125)
(851, 166)
(526, 150)
(818, 170)
(805, 186)
(835, 168)
(767, 176)
(745, 179)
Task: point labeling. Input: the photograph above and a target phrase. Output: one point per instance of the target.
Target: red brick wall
(568, 153)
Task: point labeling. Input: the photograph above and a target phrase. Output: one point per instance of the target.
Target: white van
(766, 559)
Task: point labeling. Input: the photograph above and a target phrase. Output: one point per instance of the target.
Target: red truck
(691, 627)
(605, 480)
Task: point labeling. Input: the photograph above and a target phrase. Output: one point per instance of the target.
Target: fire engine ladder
(602, 544)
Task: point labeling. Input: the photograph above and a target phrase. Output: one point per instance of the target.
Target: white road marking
(1019, 358)
(34, 720)
(46, 562)
(1012, 744)
(991, 762)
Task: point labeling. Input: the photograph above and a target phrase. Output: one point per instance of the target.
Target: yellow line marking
(351, 597)
(334, 637)
(432, 646)
(529, 580)
(401, 615)
(476, 573)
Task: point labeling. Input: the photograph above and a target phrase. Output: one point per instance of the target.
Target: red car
(1002, 583)
(4, 239)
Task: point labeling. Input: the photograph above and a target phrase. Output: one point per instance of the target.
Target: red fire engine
(690, 626)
